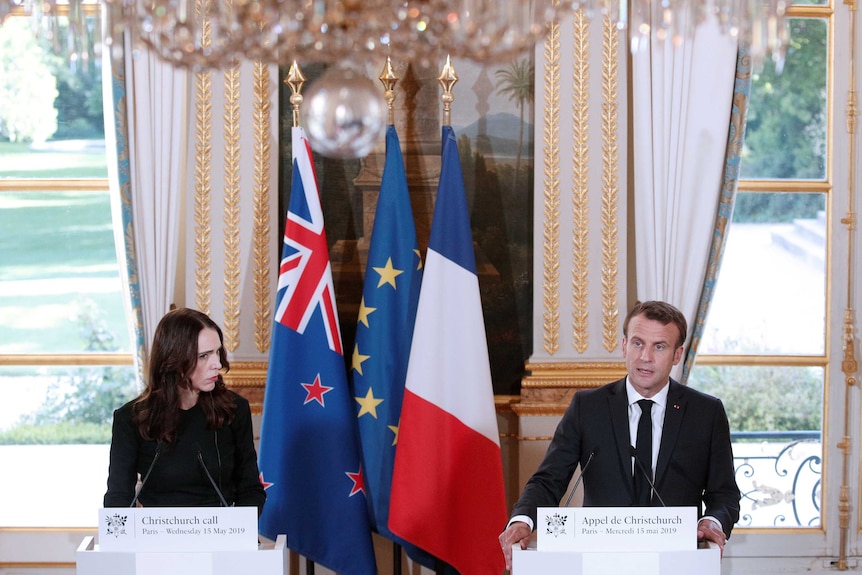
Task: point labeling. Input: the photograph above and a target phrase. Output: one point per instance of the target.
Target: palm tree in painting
(516, 82)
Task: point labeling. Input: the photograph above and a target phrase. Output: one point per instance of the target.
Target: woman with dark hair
(187, 436)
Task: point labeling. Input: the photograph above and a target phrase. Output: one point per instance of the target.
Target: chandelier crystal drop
(344, 114)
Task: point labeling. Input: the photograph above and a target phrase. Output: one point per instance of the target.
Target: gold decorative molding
(38, 565)
(610, 185)
(246, 374)
(580, 181)
(248, 378)
(540, 409)
(764, 360)
(784, 186)
(551, 208)
(47, 185)
(66, 359)
(203, 164)
(576, 375)
(548, 388)
(849, 364)
(504, 403)
(262, 159)
(531, 437)
(230, 217)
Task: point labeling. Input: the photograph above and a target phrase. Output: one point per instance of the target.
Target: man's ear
(677, 354)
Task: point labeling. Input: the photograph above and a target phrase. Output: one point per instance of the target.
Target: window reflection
(785, 134)
(60, 289)
(51, 109)
(57, 418)
(776, 421)
(770, 297)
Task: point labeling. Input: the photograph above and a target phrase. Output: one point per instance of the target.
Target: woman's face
(206, 372)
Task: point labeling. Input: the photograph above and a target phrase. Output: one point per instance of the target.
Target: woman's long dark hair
(173, 358)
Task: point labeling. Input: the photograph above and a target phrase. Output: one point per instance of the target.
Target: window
(65, 346)
(764, 350)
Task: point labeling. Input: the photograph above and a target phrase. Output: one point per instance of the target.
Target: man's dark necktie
(643, 451)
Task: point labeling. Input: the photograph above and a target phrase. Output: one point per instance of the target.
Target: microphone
(147, 474)
(210, 477)
(581, 476)
(634, 453)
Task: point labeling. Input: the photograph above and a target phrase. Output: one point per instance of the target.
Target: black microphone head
(632, 451)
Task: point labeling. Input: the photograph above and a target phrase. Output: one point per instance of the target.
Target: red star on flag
(265, 484)
(358, 482)
(315, 391)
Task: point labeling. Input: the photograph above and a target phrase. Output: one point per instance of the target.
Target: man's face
(650, 351)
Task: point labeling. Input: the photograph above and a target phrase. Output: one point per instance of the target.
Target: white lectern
(610, 541)
(534, 562)
(180, 541)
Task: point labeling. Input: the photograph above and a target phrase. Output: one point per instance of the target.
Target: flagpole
(447, 79)
(388, 78)
(295, 79)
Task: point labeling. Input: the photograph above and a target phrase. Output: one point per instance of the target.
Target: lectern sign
(178, 528)
(617, 529)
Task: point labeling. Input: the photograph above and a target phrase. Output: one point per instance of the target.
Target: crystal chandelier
(344, 111)
(216, 33)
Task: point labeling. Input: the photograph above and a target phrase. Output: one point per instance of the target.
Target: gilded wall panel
(231, 247)
(583, 159)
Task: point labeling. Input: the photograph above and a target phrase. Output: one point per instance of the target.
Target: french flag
(447, 488)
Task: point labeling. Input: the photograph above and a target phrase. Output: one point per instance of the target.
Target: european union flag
(393, 275)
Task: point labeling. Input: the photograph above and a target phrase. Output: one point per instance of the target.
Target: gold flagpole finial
(295, 80)
(447, 79)
(389, 79)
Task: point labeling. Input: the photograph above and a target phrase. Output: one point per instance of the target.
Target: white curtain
(682, 97)
(146, 140)
(157, 103)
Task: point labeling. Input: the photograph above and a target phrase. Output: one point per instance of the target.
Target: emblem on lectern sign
(556, 524)
(116, 524)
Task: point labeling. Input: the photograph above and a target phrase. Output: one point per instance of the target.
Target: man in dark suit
(691, 462)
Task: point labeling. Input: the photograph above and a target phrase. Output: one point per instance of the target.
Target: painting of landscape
(492, 118)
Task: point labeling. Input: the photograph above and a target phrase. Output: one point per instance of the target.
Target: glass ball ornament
(344, 114)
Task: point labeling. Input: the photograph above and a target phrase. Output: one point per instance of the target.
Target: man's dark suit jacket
(695, 462)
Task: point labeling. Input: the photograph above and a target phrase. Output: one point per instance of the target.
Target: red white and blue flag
(309, 445)
(447, 487)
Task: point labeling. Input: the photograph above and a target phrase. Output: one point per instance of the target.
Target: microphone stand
(580, 477)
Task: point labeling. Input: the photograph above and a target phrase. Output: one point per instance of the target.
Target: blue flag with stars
(393, 274)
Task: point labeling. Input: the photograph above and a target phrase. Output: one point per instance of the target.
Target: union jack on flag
(309, 441)
(305, 274)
